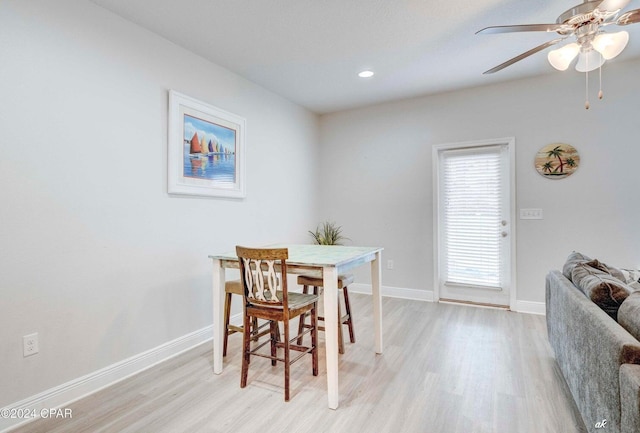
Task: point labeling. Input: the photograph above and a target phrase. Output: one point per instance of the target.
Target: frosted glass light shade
(612, 5)
(610, 44)
(562, 57)
(589, 60)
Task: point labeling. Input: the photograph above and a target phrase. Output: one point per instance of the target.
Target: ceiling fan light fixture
(588, 60)
(562, 57)
(592, 45)
(610, 44)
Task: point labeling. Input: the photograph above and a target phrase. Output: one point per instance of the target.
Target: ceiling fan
(586, 22)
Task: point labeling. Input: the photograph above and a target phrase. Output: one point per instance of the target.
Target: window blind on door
(472, 214)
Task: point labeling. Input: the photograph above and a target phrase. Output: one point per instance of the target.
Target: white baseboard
(427, 295)
(394, 292)
(530, 307)
(65, 394)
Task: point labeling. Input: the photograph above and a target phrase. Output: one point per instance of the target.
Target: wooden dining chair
(234, 287)
(267, 297)
(343, 281)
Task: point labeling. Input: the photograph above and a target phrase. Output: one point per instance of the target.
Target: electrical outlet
(389, 264)
(30, 344)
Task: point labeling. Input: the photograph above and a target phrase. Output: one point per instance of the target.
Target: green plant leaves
(328, 233)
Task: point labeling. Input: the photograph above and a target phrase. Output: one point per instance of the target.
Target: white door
(474, 214)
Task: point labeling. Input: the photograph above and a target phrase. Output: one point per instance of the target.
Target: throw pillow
(631, 275)
(614, 272)
(573, 259)
(604, 290)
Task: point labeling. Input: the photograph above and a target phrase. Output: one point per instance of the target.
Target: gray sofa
(599, 359)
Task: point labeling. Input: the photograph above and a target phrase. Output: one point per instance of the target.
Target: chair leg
(277, 331)
(227, 314)
(275, 336)
(349, 321)
(303, 316)
(246, 340)
(287, 360)
(314, 339)
(254, 329)
(340, 337)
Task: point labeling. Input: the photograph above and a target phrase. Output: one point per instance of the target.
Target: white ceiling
(310, 51)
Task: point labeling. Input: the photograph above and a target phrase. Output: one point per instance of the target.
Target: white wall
(95, 256)
(377, 178)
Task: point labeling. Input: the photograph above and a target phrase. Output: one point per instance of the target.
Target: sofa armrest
(630, 398)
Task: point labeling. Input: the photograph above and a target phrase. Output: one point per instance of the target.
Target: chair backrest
(258, 267)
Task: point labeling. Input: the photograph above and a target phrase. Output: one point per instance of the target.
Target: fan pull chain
(600, 94)
(586, 90)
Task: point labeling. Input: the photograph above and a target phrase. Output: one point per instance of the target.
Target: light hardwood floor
(445, 369)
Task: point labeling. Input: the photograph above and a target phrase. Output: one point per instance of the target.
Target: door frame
(510, 143)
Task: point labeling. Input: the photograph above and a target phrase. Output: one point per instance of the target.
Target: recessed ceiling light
(365, 74)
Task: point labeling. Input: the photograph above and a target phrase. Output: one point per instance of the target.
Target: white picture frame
(206, 149)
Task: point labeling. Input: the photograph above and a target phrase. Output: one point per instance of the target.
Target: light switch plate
(530, 214)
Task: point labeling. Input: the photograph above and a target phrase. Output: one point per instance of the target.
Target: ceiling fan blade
(525, 28)
(612, 5)
(629, 17)
(523, 56)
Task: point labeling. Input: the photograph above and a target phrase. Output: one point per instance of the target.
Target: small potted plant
(328, 233)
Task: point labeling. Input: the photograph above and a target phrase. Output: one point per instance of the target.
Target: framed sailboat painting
(206, 149)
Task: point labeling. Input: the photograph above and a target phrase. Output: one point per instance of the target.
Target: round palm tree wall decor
(557, 160)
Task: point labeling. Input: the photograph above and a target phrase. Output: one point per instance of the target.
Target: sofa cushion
(573, 259)
(629, 314)
(604, 290)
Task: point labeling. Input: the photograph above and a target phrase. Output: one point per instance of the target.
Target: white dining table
(326, 261)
